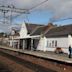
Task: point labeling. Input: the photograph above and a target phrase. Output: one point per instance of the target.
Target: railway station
(35, 36)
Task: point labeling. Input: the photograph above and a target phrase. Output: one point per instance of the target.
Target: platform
(41, 54)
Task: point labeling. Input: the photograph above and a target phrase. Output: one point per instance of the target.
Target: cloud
(59, 8)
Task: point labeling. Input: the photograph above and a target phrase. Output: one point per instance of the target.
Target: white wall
(10, 43)
(23, 31)
(42, 44)
(61, 42)
(70, 40)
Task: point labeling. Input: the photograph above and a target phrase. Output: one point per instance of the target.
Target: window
(49, 44)
(55, 43)
(52, 43)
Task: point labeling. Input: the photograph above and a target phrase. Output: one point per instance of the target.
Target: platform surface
(47, 55)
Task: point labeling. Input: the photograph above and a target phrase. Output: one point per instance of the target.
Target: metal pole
(4, 16)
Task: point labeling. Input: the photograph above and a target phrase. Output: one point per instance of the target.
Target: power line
(38, 5)
(13, 8)
(60, 19)
(31, 9)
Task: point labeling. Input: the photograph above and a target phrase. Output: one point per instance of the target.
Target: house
(13, 38)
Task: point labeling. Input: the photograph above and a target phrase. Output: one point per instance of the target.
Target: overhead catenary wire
(19, 11)
(38, 5)
(60, 19)
(31, 9)
(12, 8)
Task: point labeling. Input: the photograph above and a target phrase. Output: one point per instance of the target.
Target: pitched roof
(61, 31)
(31, 27)
(16, 33)
(39, 30)
(42, 29)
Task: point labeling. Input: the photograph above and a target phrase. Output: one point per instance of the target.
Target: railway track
(3, 68)
(28, 64)
(36, 63)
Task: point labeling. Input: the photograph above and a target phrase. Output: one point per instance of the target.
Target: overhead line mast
(13, 8)
(5, 9)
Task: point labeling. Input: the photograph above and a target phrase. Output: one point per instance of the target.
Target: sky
(43, 13)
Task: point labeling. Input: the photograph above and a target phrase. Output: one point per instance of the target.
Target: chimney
(47, 28)
(50, 24)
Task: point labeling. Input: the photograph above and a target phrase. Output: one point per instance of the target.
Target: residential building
(13, 38)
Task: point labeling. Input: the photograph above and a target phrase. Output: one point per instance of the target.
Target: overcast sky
(50, 11)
